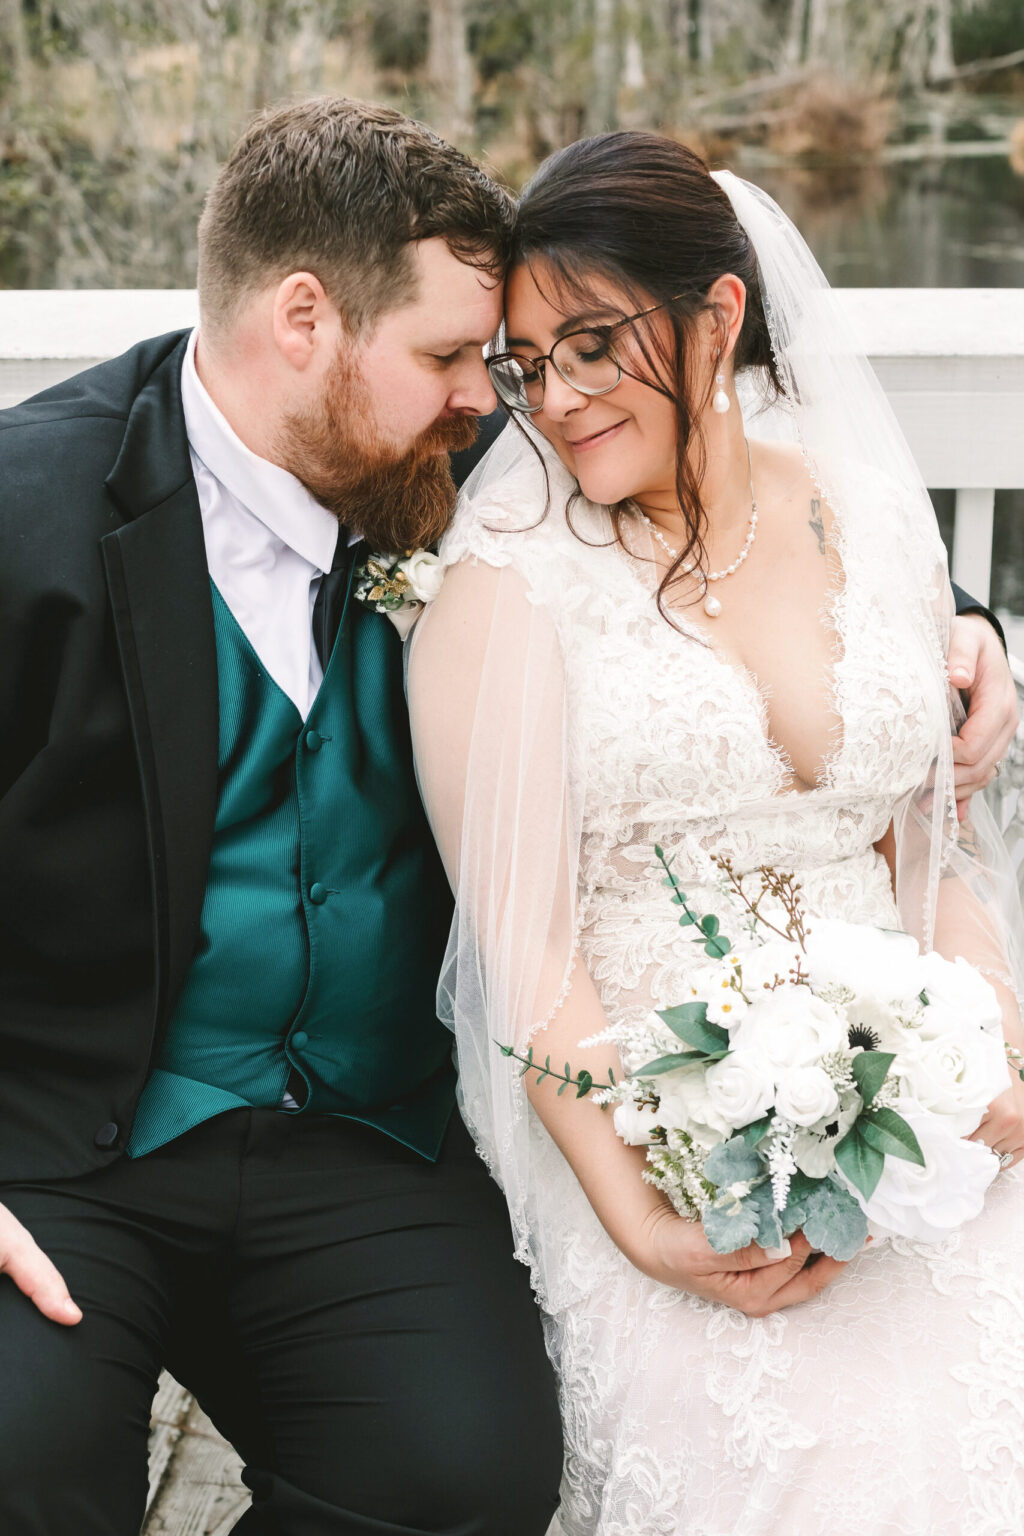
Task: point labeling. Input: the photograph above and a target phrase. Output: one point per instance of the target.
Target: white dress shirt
(268, 542)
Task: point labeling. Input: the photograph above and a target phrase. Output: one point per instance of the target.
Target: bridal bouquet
(818, 1077)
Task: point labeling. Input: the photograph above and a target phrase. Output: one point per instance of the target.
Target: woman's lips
(597, 439)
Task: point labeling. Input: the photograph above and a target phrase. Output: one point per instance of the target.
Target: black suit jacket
(108, 749)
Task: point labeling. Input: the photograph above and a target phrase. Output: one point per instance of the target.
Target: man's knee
(71, 1459)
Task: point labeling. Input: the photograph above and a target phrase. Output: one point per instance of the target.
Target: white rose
(424, 573)
(762, 963)
(685, 1104)
(928, 1203)
(955, 1075)
(806, 1095)
(792, 1027)
(635, 1124)
(741, 1087)
(955, 988)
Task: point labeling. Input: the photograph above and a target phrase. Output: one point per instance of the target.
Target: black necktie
(330, 600)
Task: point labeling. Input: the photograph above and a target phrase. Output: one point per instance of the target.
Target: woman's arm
(490, 730)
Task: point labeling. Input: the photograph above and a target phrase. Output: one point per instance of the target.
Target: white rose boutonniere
(400, 585)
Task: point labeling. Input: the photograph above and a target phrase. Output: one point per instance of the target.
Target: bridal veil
(505, 780)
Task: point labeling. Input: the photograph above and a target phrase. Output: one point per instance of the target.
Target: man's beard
(396, 499)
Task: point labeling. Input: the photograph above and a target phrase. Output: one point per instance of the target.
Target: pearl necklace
(712, 605)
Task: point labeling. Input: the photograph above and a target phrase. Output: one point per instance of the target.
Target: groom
(225, 1100)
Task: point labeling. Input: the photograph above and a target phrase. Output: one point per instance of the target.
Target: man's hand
(748, 1280)
(27, 1265)
(978, 666)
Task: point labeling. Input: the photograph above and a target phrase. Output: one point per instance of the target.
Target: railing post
(972, 541)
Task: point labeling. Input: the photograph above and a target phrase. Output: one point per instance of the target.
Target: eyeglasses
(584, 359)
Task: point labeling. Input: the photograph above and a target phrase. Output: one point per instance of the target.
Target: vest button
(299, 1040)
(314, 741)
(318, 894)
(106, 1136)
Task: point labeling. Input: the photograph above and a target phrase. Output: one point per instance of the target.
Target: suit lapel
(159, 589)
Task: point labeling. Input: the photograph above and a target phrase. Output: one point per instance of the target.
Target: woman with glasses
(695, 598)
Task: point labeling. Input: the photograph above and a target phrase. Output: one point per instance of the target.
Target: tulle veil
(505, 782)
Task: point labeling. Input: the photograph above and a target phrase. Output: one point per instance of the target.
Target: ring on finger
(1005, 1159)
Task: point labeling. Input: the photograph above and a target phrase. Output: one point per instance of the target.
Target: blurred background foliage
(115, 113)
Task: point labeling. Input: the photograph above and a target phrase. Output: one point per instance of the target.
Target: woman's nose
(559, 397)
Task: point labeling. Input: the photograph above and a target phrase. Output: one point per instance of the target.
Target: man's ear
(304, 320)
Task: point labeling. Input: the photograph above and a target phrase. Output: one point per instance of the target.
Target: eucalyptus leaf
(709, 925)
(732, 1162)
(890, 1134)
(861, 1162)
(718, 947)
(870, 1069)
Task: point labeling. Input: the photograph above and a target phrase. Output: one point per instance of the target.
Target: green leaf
(833, 1220)
(732, 1162)
(584, 1083)
(869, 1072)
(861, 1162)
(659, 852)
(730, 1224)
(769, 1227)
(800, 1188)
(709, 925)
(690, 1023)
(687, 920)
(718, 947)
(669, 1063)
(756, 1131)
(922, 997)
(890, 1134)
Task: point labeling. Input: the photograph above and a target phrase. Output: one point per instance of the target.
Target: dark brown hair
(340, 188)
(644, 212)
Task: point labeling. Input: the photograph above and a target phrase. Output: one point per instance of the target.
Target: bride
(695, 596)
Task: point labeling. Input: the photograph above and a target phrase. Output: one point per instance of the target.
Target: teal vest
(326, 909)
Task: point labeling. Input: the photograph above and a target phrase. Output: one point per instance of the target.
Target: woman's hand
(1002, 1125)
(677, 1253)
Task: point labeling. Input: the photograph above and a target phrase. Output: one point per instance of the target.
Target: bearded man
(226, 1124)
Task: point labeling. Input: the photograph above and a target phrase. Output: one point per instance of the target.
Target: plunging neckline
(750, 684)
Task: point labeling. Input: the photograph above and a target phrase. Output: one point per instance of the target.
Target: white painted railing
(951, 361)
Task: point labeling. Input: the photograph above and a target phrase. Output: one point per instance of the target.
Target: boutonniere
(400, 585)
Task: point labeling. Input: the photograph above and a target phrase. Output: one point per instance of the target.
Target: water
(956, 223)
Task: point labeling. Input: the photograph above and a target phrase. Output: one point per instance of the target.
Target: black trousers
(350, 1317)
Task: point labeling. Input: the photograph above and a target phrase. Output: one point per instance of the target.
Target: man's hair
(340, 188)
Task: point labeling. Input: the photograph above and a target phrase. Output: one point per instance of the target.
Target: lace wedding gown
(893, 1403)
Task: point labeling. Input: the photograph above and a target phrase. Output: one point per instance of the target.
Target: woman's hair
(644, 212)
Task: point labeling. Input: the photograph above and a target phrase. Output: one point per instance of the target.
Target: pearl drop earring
(720, 402)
